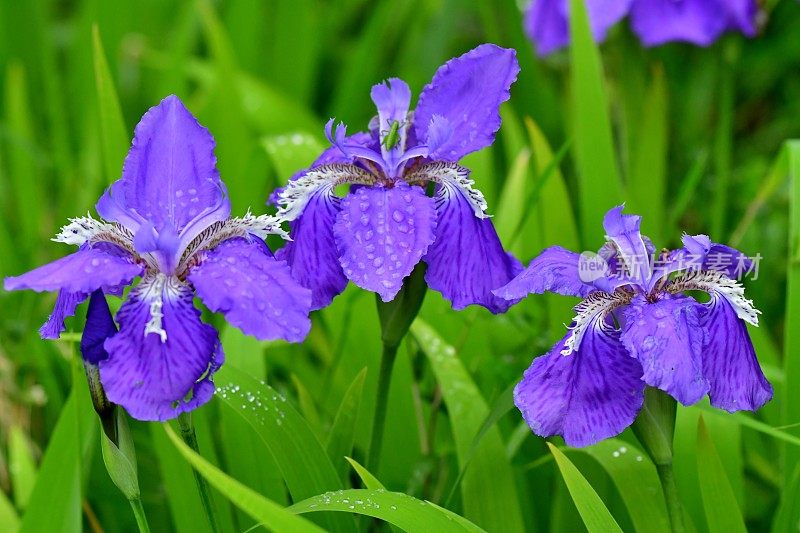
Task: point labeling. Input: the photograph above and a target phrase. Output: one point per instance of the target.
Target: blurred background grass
(698, 133)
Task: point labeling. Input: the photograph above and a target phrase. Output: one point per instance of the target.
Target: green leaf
(268, 513)
(496, 509)
(791, 346)
(291, 152)
(396, 508)
(721, 508)
(600, 185)
(370, 481)
(786, 517)
(9, 520)
(594, 514)
(113, 133)
(55, 503)
(298, 453)
(184, 502)
(24, 159)
(343, 431)
(21, 466)
(648, 172)
(636, 479)
(120, 460)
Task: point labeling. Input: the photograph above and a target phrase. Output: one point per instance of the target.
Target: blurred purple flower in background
(636, 327)
(167, 220)
(655, 22)
(386, 223)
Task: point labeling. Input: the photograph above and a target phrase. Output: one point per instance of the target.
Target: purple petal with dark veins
(729, 360)
(83, 271)
(65, 306)
(155, 377)
(466, 261)
(99, 327)
(590, 395)
(312, 254)
(255, 291)
(701, 253)
(556, 269)
(382, 233)
(467, 91)
(667, 339)
(623, 230)
(170, 176)
(699, 22)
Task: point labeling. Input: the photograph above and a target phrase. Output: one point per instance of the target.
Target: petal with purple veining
(382, 233)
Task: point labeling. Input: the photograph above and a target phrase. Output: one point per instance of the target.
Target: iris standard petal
(312, 254)
(729, 360)
(392, 100)
(467, 91)
(466, 260)
(590, 395)
(161, 361)
(170, 175)
(99, 327)
(382, 233)
(65, 306)
(89, 268)
(255, 291)
(556, 269)
(667, 339)
(623, 231)
(699, 22)
(702, 254)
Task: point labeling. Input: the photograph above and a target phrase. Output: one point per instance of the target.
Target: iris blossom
(386, 223)
(636, 327)
(167, 222)
(655, 22)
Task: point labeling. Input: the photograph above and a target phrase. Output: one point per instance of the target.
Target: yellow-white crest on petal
(592, 312)
(718, 283)
(293, 199)
(454, 176)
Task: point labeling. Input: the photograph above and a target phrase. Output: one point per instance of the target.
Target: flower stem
(190, 438)
(655, 428)
(395, 318)
(141, 518)
(388, 357)
(670, 489)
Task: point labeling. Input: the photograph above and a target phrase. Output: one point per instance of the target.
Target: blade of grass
(268, 513)
(600, 185)
(594, 513)
(113, 133)
(791, 348)
(497, 509)
(396, 508)
(721, 508)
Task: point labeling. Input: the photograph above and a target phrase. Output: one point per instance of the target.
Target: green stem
(190, 438)
(378, 424)
(655, 429)
(141, 518)
(674, 508)
(395, 318)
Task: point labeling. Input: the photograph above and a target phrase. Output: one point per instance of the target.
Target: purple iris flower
(636, 327)
(655, 22)
(167, 221)
(386, 223)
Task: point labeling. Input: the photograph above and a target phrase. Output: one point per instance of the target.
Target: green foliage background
(695, 140)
